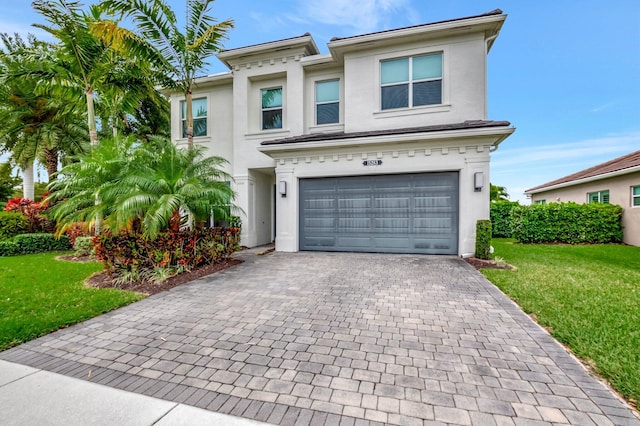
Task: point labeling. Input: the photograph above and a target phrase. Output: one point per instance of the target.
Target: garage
(403, 213)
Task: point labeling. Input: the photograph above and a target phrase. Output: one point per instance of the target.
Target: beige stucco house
(616, 182)
(381, 145)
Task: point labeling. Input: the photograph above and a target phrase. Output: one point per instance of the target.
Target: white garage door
(410, 213)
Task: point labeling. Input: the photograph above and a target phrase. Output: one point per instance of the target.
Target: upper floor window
(199, 117)
(271, 108)
(635, 196)
(327, 102)
(411, 82)
(598, 197)
(541, 202)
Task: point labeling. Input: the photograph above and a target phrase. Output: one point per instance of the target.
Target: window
(327, 102)
(635, 196)
(541, 202)
(272, 108)
(598, 197)
(199, 117)
(411, 82)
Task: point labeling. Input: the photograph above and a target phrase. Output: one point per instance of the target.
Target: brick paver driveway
(336, 338)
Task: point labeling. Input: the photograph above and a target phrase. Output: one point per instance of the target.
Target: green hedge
(33, 243)
(12, 224)
(569, 223)
(483, 239)
(500, 213)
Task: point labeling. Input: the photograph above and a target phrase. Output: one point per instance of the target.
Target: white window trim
(634, 196)
(262, 110)
(411, 82)
(599, 196)
(183, 120)
(316, 103)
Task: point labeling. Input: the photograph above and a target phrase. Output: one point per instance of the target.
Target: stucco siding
(463, 86)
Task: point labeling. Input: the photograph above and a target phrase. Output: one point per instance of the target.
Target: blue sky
(566, 74)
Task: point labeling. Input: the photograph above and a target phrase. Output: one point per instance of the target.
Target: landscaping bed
(106, 279)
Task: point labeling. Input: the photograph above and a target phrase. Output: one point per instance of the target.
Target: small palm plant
(145, 188)
(170, 183)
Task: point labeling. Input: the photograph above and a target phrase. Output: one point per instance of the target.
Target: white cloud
(362, 16)
(607, 147)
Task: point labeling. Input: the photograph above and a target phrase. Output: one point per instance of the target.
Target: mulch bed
(484, 263)
(105, 279)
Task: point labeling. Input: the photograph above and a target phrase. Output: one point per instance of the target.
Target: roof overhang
(303, 44)
(494, 134)
(490, 24)
(622, 172)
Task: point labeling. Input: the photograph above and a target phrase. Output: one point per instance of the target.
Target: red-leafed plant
(33, 210)
(128, 253)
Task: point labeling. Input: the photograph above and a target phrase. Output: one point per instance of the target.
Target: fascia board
(584, 180)
(499, 133)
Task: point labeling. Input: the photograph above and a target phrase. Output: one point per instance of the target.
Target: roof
(304, 43)
(493, 12)
(603, 170)
(474, 124)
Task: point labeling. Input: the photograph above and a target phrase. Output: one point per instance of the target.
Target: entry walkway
(330, 339)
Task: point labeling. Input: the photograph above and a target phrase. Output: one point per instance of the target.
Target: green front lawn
(39, 294)
(587, 295)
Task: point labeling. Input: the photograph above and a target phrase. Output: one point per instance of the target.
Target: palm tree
(147, 187)
(86, 190)
(498, 193)
(37, 123)
(83, 57)
(180, 55)
(170, 183)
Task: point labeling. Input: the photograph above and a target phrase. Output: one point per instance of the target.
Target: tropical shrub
(11, 224)
(33, 211)
(569, 223)
(483, 239)
(33, 243)
(76, 230)
(150, 188)
(500, 214)
(83, 246)
(136, 256)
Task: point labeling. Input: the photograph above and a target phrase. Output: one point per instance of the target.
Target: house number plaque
(372, 163)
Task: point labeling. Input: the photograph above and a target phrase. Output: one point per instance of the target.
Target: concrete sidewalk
(29, 396)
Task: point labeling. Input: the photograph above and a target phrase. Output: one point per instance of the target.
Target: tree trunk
(174, 221)
(189, 118)
(91, 118)
(51, 155)
(27, 182)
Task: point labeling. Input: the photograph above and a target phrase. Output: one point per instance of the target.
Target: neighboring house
(381, 145)
(616, 182)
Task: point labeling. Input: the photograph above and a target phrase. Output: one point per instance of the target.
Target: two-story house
(381, 145)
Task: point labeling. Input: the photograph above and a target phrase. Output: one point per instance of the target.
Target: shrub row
(33, 243)
(569, 223)
(183, 250)
(12, 224)
(500, 213)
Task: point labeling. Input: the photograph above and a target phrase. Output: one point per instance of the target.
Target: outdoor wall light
(282, 188)
(478, 181)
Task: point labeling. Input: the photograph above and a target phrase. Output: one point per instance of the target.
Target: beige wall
(619, 193)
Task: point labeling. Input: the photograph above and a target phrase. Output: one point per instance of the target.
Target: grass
(588, 296)
(39, 294)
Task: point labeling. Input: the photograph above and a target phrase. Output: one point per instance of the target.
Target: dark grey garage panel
(409, 213)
